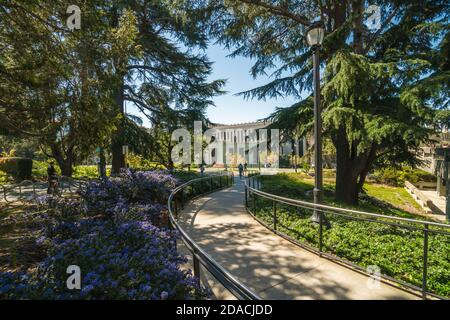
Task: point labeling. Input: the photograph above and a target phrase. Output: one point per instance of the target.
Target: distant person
(52, 178)
(245, 168)
(101, 165)
(241, 170)
(202, 169)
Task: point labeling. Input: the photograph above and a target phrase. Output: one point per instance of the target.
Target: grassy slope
(395, 201)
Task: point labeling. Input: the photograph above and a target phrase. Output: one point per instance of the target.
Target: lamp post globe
(315, 34)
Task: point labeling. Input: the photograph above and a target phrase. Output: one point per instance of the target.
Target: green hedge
(4, 177)
(18, 168)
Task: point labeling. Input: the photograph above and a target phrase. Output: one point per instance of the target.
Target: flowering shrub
(13, 285)
(139, 212)
(99, 196)
(130, 187)
(145, 186)
(113, 232)
(133, 260)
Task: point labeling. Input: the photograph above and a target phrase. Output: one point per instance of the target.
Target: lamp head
(315, 34)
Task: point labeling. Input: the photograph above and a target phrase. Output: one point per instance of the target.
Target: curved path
(270, 265)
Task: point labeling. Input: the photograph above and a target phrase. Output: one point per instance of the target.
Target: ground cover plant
(397, 251)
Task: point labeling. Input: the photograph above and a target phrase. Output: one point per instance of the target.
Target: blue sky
(235, 109)
(230, 108)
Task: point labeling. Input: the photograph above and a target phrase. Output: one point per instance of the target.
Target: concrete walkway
(270, 265)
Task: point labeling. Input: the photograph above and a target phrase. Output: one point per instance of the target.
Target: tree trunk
(66, 168)
(349, 164)
(358, 39)
(64, 163)
(346, 180)
(351, 167)
(118, 158)
(366, 168)
(170, 165)
(346, 170)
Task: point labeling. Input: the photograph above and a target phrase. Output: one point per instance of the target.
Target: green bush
(138, 162)
(4, 177)
(18, 168)
(397, 178)
(90, 172)
(40, 170)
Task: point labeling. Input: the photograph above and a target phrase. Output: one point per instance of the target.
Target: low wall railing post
(245, 194)
(176, 206)
(196, 263)
(274, 215)
(425, 261)
(182, 198)
(320, 232)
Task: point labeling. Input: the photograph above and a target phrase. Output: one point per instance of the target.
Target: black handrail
(424, 226)
(176, 202)
(63, 183)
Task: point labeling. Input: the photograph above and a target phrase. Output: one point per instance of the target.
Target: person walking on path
(52, 178)
(241, 170)
(202, 169)
(245, 169)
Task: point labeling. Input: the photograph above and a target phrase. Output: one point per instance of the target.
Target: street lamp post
(314, 38)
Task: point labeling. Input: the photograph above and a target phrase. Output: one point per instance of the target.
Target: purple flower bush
(134, 260)
(110, 233)
(130, 187)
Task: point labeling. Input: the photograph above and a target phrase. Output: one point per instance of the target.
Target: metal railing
(179, 197)
(19, 190)
(274, 204)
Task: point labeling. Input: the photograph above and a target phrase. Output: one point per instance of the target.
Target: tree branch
(376, 34)
(279, 11)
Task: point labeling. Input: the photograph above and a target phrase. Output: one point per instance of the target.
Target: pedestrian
(241, 170)
(52, 178)
(245, 169)
(202, 169)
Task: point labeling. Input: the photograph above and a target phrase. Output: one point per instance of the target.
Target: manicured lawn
(396, 196)
(378, 198)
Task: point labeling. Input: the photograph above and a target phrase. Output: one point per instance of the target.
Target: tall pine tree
(170, 74)
(381, 87)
